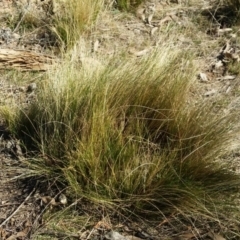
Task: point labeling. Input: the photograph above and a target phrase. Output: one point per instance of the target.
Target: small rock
(62, 199)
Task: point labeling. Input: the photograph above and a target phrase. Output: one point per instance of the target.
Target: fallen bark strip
(24, 60)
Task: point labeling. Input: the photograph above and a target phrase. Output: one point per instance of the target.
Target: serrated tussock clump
(125, 131)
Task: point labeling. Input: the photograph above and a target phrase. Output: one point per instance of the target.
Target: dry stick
(6, 220)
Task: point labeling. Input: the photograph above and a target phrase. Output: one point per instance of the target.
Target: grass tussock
(72, 18)
(125, 132)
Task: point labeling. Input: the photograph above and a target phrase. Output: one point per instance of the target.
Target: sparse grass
(65, 21)
(62, 224)
(8, 114)
(15, 77)
(125, 133)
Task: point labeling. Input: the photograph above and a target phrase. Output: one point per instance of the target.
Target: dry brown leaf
(49, 200)
(46, 199)
(53, 202)
(103, 224)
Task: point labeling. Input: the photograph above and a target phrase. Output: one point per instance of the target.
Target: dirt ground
(23, 203)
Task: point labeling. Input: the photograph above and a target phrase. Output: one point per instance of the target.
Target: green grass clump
(125, 132)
